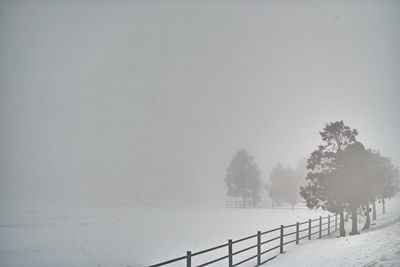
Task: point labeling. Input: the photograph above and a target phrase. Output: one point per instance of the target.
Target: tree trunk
(354, 230)
(346, 217)
(374, 210)
(368, 219)
(383, 206)
(244, 202)
(341, 224)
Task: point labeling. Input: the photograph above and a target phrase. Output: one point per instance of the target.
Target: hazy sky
(121, 102)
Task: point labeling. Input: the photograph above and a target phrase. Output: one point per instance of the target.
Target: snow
(143, 236)
(128, 236)
(380, 246)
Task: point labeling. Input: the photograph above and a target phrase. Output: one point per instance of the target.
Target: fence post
(329, 224)
(320, 226)
(309, 229)
(336, 222)
(258, 248)
(272, 204)
(230, 256)
(188, 259)
(297, 232)
(281, 250)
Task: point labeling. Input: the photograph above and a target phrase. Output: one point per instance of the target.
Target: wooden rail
(279, 239)
(263, 204)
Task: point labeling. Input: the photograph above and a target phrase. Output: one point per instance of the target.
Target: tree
(382, 181)
(386, 178)
(369, 188)
(352, 167)
(284, 185)
(373, 184)
(325, 185)
(243, 177)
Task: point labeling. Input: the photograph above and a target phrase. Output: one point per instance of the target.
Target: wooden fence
(265, 204)
(263, 246)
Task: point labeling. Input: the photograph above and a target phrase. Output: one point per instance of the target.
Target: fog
(133, 103)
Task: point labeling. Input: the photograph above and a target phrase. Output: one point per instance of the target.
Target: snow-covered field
(127, 236)
(130, 236)
(380, 246)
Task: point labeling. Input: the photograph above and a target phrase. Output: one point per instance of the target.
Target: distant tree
(370, 187)
(325, 186)
(372, 184)
(386, 178)
(284, 185)
(381, 181)
(243, 178)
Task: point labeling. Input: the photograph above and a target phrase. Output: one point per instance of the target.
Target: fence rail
(277, 243)
(264, 204)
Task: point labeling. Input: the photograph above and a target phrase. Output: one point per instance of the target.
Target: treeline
(243, 180)
(341, 175)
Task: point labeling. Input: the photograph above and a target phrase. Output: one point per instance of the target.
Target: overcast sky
(132, 102)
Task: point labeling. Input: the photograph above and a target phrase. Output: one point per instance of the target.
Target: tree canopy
(325, 187)
(284, 185)
(243, 177)
(344, 175)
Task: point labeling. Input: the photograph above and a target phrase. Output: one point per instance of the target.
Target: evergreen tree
(386, 176)
(284, 185)
(243, 178)
(352, 168)
(382, 181)
(325, 185)
(372, 185)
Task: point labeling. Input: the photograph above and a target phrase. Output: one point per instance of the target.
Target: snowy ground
(139, 237)
(380, 246)
(127, 236)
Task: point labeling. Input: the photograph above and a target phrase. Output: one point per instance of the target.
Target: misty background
(131, 103)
